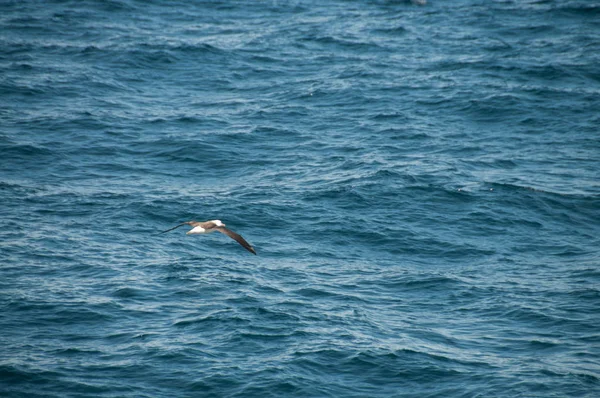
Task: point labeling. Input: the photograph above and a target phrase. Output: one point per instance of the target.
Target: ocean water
(420, 181)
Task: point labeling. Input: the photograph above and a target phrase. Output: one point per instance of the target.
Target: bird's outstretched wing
(237, 238)
(177, 226)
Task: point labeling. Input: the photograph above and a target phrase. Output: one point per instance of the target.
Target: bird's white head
(218, 223)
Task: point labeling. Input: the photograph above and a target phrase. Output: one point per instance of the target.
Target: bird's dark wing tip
(238, 238)
(177, 226)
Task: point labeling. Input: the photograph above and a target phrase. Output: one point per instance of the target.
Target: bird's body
(199, 230)
(204, 227)
(208, 227)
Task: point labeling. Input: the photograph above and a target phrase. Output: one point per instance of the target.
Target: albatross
(207, 227)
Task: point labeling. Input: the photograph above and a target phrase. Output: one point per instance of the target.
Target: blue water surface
(420, 181)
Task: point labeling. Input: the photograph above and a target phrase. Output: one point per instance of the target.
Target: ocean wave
(419, 183)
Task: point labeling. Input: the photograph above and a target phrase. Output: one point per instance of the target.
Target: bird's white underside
(200, 230)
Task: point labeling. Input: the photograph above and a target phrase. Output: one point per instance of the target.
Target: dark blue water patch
(579, 10)
(213, 321)
(376, 367)
(19, 381)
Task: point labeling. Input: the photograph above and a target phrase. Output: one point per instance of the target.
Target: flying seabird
(207, 227)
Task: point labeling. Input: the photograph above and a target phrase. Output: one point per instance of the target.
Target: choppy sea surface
(420, 181)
